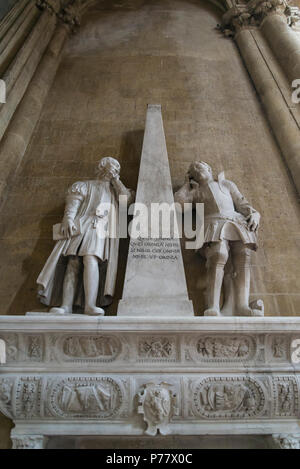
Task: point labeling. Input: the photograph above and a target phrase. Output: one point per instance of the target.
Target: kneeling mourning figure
(230, 234)
(88, 237)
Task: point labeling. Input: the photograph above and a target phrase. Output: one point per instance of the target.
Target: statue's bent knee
(74, 262)
(216, 253)
(241, 254)
(90, 260)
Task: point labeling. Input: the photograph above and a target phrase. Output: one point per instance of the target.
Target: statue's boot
(212, 312)
(242, 284)
(69, 287)
(216, 258)
(214, 283)
(228, 288)
(91, 285)
(62, 310)
(94, 311)
(247, 311)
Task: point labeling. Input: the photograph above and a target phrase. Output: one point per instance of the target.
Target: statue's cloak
(50, 280)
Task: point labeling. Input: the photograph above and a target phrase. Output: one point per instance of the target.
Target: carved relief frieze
(6, 396)
(220, 348)
(28, 442)
(28, 397)
(228, 397)
(279, 347)
(11, 346)
(34, 348)
(213, 349)
(52, 347)
(285, 396)
(153, 348)
(83, 397)
(103, 348)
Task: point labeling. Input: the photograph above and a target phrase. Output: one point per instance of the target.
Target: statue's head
(108, 166)
(200, 171)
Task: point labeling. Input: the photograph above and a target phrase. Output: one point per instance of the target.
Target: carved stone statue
(85, 239)
(230, 227)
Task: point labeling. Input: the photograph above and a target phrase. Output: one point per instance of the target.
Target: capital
(262, 8)
(252, 14)
(237, 18)
(53, 6)
(65, 11)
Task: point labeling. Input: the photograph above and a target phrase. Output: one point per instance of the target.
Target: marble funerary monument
(155, 367)
(140, 338)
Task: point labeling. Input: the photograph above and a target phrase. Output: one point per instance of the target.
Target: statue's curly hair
(103, 163)
(197, 163)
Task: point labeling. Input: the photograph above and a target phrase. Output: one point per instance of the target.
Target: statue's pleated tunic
(94, 215)
(226, 212)
(93, 206)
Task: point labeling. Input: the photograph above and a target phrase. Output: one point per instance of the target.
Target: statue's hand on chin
(191, 182)
(114, 175)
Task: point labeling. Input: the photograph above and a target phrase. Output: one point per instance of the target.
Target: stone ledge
(41, 321)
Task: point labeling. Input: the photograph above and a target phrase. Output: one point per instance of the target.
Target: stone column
(19, 73)
(18, 134)
(13, 30)
(283, 124)
(242, 22)
(283, 40)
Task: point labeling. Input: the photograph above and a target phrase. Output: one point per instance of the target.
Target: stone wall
(122, 58)
(126, 55)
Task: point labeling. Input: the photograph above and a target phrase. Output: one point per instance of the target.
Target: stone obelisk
(155, 283)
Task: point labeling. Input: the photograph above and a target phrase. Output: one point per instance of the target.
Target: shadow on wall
(130, 155)
(26, 297)
(163, 442)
